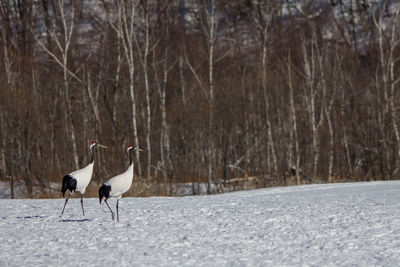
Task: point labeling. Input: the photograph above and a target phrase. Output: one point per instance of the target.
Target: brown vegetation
(211, 90)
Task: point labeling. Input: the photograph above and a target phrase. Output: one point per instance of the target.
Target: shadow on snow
(75, 220)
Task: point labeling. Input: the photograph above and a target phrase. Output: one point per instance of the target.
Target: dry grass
(140, 187)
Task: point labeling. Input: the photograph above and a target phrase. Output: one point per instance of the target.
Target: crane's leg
(65, 204)
(112, 213)
(83, 211)
(117, 210)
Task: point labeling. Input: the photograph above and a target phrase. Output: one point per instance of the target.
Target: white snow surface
(352, 224)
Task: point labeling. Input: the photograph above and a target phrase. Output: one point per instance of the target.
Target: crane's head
(133, 148)
(95, 144)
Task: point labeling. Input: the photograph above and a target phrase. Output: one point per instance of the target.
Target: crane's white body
(118, 185)
(83, 177)
(78, 180)
(121, 183)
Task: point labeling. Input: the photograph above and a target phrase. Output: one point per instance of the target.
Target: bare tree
(165, 149)
(209, 23)
(209, 88)
(16, 38)
(314, 90)
(335, 77)
(63, 44)
(210, 31)
(294, 120)
(394, 80)
(387, 79)
(143, 48)
(3, 112)
(263, 17)
(125, 29)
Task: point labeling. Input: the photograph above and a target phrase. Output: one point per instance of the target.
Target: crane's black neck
(130, 157)
(91, 154)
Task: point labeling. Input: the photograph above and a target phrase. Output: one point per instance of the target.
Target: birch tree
(209, 24)
(210, 32)
(15, 21)
(393, 62)
(263, 17)
(143, 43)
(328, 100)
(125, 29)
(294, 119)
(63, 44)
(313, 90)
(387, 79)
(164, 143)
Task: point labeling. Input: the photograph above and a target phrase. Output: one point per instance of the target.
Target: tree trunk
(393, 81)
(144, 61)
(211, 43)
(294, 120)
(331, 154)
(134, 125)
(384, 84)
(270, 141)
(125, 30)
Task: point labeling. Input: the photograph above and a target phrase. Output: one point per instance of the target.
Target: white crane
(118, 185)
(79, 179)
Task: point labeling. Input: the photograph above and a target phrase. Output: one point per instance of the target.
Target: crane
(118, 185)
(79, 179)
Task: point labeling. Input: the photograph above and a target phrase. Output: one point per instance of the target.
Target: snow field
(313, 225)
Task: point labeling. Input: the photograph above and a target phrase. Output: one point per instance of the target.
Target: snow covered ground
(313, 225)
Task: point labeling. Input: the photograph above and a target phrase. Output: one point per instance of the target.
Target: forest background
(215, 92)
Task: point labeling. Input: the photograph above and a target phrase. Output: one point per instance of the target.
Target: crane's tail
(104, 192)
(68, 183)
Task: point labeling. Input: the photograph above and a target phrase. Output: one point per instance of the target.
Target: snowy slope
(314, 225)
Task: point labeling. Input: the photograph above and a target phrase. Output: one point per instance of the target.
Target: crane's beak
(138, 149)
(101, 146)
